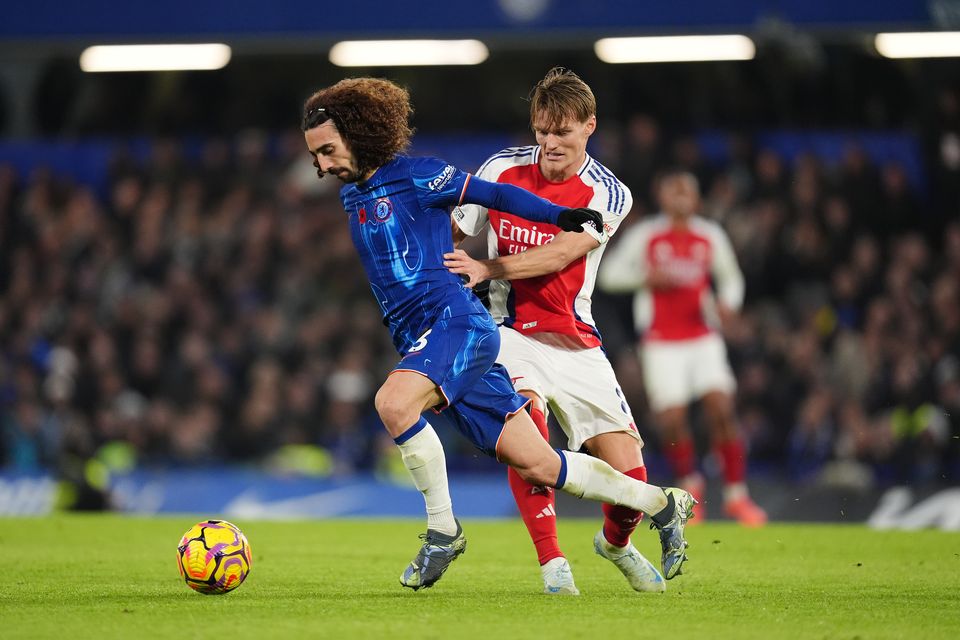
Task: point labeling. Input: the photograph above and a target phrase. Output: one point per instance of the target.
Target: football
(214, 557)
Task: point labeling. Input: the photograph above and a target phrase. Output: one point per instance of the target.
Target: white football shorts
(677, 372)
(578, 385)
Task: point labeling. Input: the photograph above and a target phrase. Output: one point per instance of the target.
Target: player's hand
(728, 317)
(461, 263)
(574, 219)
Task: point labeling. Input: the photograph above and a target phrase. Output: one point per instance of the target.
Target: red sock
(680, 456)
(619, 522)
(734, 460)
(537, 505)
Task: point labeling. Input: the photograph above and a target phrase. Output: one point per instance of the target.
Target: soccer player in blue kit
(398, 211)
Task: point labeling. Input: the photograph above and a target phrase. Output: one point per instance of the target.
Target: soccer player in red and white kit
(541, 284)
(670, 261)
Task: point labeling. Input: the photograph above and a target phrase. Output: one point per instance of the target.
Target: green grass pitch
(105, 576)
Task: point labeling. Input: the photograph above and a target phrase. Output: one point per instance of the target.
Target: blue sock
(417, 427)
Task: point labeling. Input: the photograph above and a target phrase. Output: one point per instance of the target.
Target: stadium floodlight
(929, 44)
(155, 57)
(675, 49)
(407, 53)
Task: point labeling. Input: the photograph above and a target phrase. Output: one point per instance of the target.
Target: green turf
(115, 577)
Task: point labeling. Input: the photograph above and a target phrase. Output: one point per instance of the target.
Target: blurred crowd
(847, 351)
(198, 311)
(209, 307)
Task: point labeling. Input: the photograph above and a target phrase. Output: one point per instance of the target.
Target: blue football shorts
(459, 355)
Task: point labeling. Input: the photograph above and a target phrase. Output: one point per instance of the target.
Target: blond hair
(561, 95)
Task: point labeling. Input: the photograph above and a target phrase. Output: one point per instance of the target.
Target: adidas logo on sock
(547, 512)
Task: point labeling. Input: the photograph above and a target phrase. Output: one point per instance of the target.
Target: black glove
(573, 220)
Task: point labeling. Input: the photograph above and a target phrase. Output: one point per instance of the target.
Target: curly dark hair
(372, 116)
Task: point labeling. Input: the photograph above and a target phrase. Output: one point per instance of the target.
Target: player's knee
(395, 412)
(540, 473)
(526, 474)
(720, 412)
(673, 422)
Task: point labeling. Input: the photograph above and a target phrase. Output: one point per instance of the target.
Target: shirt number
(421, 342)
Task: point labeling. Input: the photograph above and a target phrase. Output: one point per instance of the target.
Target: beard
(344, 175)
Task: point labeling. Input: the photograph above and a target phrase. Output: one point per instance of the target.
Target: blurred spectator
(642, 155)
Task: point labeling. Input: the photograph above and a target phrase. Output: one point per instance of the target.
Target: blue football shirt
(400, 225)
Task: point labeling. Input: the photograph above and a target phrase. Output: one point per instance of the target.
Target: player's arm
(535, 261)
(624, 267)
(442, 185)
(471, 219)
(553, 256)
(726, 276)
(520, 202)
(457, 233)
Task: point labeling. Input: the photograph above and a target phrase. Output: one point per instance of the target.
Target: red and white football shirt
(556, 302)
(694, 256)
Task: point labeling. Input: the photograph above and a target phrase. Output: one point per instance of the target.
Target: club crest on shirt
(384, 210)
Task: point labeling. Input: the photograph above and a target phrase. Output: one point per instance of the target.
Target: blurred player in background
(540, 295)
(398, 212)
(670, 261)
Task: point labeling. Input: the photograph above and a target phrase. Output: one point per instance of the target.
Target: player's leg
(584, 476)
(667, 377)
(592, 411)
(729, 448)
(411, 389)
(490, 414)
(623, 452)
(400, 402)
(524, 358)
(681, 454)
(714, 382)
(537, 507)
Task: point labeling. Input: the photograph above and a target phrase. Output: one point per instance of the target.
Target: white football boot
(639, 572)
(558, 578)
